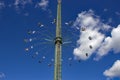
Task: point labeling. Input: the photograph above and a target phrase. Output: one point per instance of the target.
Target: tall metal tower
(58, 43)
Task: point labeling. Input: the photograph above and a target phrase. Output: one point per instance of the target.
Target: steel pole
(58, 43)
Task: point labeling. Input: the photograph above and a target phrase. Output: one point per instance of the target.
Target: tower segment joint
(58, 39)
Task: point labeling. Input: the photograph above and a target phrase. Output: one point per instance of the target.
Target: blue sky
(101, 17)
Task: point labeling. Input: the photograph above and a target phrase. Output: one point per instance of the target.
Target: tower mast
(58, 43)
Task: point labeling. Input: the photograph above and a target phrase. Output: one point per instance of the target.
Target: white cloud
(84, 43)
(93, 25)
(96, 29)
(21, 3)
(90, 20)
(114, 71)
(42, 4)
(105, 10)
(117, 13)
(110, 43)
(110, 20)
(2, 5)
(2, 75)
(26, 14)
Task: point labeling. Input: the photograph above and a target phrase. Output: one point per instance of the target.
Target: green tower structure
(58, 43)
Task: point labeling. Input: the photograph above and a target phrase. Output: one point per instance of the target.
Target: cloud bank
(43, 4)
(110, 43)
(114, 71)
(99, 44)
